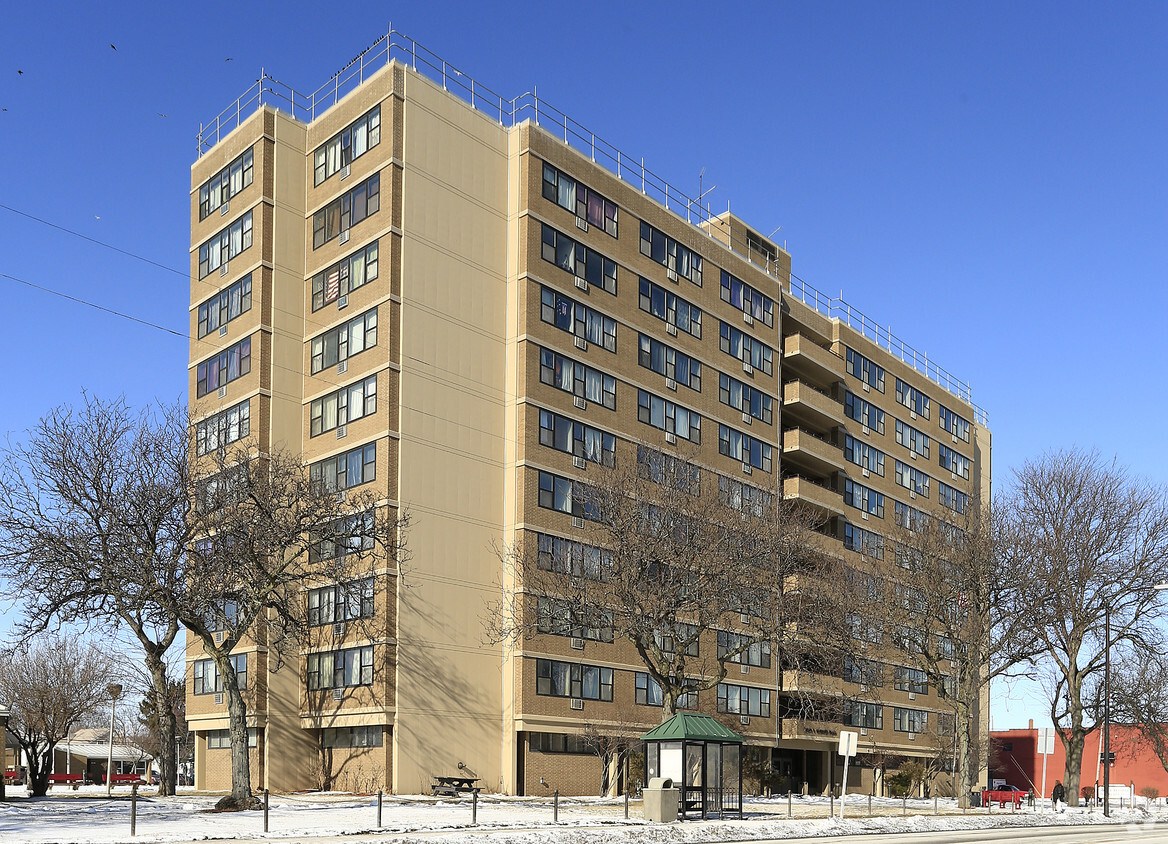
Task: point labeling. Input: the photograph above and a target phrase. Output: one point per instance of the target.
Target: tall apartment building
(468, 303)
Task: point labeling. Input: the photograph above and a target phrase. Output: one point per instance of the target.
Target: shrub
(1150, 793)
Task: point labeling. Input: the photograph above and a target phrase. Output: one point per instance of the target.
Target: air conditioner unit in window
(223, 209)
(222, 391)
(339, 628)
(866, 388)
(218, 698)
(747, 318)
(341, 495)
(346, 170)
(748, 369)
(954, 438)
(744, 720)
(342, 367)
(578, 522)
(912, 494)
(746, 469)
(671, 438)
(579, 462)
(743, 617)
(579, 402)
(344, 236)
(912, 414)
(865, 430)
(671, 275)
(670, 384)
(581, 343)
(577, 703)
(863, 687)
(223, 331)
(912, 736)
(582, 224)
(744, 669)
(864, 516)
(342, 302)
(223, 270)
(865, 473)
(913, 455)
(746, 419)
(863, 731)
(338, 694)
(671, 329)
(912, 696)
(219, 636)
(582, 283)
(578, 643)
(342, 431)
(954, 476)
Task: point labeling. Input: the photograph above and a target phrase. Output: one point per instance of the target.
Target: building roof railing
(267, 90)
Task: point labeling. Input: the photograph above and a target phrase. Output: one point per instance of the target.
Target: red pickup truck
(1002, 796)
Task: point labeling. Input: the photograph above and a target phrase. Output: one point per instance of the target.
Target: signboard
(848, 742)
(1046, 740)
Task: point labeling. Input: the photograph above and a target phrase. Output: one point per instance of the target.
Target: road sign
(848, 741)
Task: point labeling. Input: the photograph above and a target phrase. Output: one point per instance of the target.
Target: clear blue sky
(988, 179)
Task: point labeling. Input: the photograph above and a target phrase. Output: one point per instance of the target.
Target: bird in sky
(227, 60)
(112, 47)
(160, 114)
(20, 73)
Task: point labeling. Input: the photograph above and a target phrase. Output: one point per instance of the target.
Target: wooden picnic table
(453, 786)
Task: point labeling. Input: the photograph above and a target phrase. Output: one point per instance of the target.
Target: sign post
(1045, 747)
(848, 741)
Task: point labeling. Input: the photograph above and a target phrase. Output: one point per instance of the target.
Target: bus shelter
(703, 757)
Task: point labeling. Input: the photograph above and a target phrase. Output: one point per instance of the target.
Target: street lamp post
(1107, 712)
(5, 714)
(115, 692)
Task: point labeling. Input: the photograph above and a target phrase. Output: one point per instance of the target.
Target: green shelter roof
(692, 727)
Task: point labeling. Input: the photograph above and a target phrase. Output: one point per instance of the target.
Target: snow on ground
(86, 816)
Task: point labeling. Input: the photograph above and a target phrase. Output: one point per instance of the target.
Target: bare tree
(674, 555)
(1090, 541)
(954, 622)
(92, 522)
(611, 742)
(51, 684)
(269, 527)
(1139, 697)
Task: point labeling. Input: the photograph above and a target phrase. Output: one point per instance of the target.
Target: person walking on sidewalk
(1058, 795)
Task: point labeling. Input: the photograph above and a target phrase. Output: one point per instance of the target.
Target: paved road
(1037, 835)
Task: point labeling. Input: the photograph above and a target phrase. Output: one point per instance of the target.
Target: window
(344, 341)
(565, 374)
(340, 150)
(862, 498)
(954, 462)
(346, 211)
(648, 693)
(748, 300)
(864, 412)
(912, 398)
(669, 417)
(225, 184)
(340, 669)
(744, 700)
(221, 616)
(910, 518)
(867, 371)
(912, 479)
(576, 438)
(576, 319)
(225, 306)
(864, 630)
(580, 260)
(750, 652)
(222, 489)
(558, 618)
(864, 455)
(666, 360)
(346, 405)
(567, 556)
(954, 424)
(946, 722)
(911, 680)
(909, 720)
(346, 535)
(912, 439)
(585, 203)
(744, 448)
(570, 679)
(667, 640)
(563, 495)
(223, 429)
(224, 246)
(345, 471)
(221, 739)
(860, 714)
(671, 471)
(345, 276)
(863, 542)
(750, 351)
(745, 398)
(674, 310)
(743, 497)
(944, 647)
(341, 602)
(221, 369)
(952, 498)
(667, 252)
(369, 736)
(208, 680)
(864, 671)
(557, 743)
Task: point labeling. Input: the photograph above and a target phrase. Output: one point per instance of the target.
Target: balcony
(810, 361)
(801, 489)
(811, 407)
(811, 451)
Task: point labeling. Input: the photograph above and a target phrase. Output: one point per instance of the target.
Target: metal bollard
(869, 805)
(1013, 806)
(134, 810)
(831, 802)
(903, 805)
(265, 810)
(556, 806)
(935, 812)
(474, 808)
(626, 804)
(788, 802)
(379, 808)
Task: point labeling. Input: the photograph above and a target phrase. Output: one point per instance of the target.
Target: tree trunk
(38, 768)
(240, 755)
(167, 726)
(963, 775)
(1072, 774)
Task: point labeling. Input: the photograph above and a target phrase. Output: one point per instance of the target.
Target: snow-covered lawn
(86, 815)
